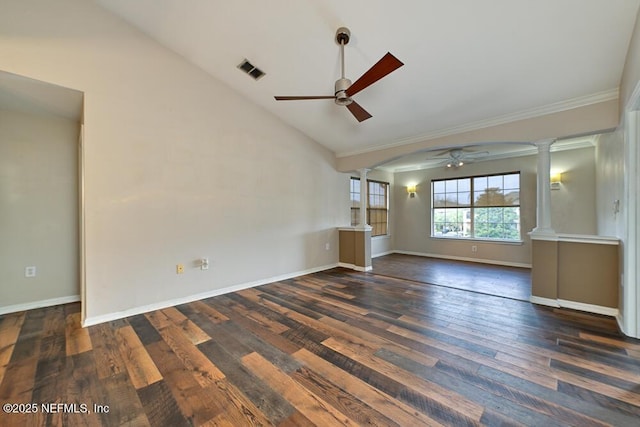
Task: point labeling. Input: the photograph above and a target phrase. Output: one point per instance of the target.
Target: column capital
(543, 201)
(544, 143)
(364, 171)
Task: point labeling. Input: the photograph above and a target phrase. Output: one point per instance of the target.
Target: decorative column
(543, 208)
(544, 241)
(362, 220)
(355, 242)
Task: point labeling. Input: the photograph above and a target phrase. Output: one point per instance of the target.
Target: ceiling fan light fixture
(341, 87)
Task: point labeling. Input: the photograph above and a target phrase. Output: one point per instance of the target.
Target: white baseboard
(382, 254)
(94, 320)
(574, 305)
(591, 308)
(544, 301)
(39, 304)
(354, 267)
(621, 324)
(459, 258)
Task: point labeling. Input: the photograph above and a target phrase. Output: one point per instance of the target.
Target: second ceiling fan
(344, 89)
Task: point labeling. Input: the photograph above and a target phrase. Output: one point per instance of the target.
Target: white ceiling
(466, 61)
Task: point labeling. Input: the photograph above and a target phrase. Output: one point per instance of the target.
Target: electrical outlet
(474, 248)
(179, 268)
(204, 264)
(30, 271)
(327, 246)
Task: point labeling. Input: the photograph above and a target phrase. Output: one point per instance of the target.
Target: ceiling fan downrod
(342, 38)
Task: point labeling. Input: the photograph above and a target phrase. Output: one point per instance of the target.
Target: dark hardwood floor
(331, 348)
(508, 282)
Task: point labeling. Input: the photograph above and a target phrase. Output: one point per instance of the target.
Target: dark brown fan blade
(386, 65)
(301, 98)
(358, 112)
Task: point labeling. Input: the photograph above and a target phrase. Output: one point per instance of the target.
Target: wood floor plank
(109, 360)
(214, 315)
(538, 377)
(263, 321)
(558, 404)
(383, 403)
(305, 401)
(19, 378)
(139, 364)
(297, 420)
(189, 329)
(251, 327)
(182, 384)
(441, 397)
(337, 347)
(360, 412)
(10, 326)
(144, 329)
(118, 388)
(77, 337)
(270, 403)
(503, 346)
(160, 406)
(236, 408)
(202, 369)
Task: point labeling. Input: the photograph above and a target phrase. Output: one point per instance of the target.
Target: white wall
(573, 207)
(610, 183)
(38, 208)
(627, 157)
(178, 166)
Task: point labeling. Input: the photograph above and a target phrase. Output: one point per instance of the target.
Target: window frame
(472, 207)
(355, 210)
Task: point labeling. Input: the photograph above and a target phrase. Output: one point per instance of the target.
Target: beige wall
(178, 166)
(38, 208)
(573, 206)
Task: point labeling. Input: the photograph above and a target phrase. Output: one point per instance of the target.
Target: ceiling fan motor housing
(341, 95)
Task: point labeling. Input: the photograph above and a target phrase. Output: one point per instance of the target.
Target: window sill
(385, 236)
(473, 239)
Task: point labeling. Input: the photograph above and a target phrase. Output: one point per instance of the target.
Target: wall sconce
(556, 180)
(411, 189)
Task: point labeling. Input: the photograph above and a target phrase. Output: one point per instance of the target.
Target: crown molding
(556, 107)
(527, 150)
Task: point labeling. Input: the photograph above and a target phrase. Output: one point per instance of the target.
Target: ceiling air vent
(250, 69)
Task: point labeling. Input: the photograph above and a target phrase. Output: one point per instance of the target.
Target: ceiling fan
(344, 90)
(457, 157)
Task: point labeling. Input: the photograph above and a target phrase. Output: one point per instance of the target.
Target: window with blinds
(377, 205)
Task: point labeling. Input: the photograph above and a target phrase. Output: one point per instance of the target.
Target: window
(479, 207)
(377, 205)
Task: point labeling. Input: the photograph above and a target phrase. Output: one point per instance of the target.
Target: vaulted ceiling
(466, 61)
